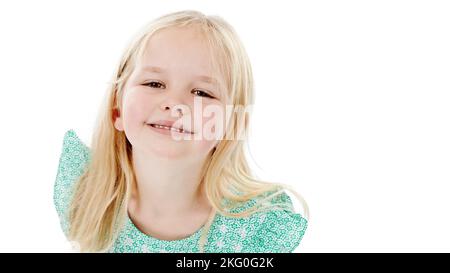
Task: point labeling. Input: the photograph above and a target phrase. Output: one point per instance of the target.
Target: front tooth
(162, 127)
(168, 128)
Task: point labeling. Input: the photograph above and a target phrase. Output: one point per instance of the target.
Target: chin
(165, 152)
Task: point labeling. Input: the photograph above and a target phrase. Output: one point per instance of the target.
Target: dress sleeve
(280, 231)
(72, 162)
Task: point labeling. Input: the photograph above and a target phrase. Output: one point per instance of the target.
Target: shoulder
(280, 229)
(275, 230)
(73, 159)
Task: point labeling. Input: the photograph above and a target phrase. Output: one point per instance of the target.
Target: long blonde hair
(99, 206)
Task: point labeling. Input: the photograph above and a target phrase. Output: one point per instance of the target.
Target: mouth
(170, 128)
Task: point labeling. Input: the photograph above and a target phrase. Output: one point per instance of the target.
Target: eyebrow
(156, 69)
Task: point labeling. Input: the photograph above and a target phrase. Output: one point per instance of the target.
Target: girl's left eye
(203, 94)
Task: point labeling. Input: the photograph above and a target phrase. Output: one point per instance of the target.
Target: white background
(352, 108)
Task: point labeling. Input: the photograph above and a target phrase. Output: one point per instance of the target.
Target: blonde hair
(99, 206)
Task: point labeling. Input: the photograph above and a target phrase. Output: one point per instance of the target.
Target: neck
(166, 188)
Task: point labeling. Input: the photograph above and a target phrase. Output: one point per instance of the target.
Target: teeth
(168, 128)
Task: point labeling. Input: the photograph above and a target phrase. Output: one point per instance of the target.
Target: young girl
(138, 189)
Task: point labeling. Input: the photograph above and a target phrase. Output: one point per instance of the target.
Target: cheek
(135, 110)
(213, 121)
(205, 118)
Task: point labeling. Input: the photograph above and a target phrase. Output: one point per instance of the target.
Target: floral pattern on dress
(271, 231)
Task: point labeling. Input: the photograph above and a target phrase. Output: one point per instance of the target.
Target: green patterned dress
(271, 231)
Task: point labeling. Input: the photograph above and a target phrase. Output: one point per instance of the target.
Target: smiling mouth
(169, 128)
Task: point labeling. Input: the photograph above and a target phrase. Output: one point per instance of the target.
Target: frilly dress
(272, 231)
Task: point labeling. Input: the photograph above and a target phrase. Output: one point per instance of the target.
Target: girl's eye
(203, 94)
(153, 84)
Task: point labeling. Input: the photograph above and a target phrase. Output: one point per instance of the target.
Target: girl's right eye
(152, 84)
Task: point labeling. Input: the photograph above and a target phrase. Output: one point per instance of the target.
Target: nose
(172, 105)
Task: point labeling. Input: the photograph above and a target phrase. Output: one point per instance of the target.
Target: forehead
(177, 49)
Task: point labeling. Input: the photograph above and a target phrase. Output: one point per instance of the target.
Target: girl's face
(173, 74)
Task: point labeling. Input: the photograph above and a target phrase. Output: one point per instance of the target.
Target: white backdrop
(352, 108)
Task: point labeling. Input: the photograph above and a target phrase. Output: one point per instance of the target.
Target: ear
(118, 122)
